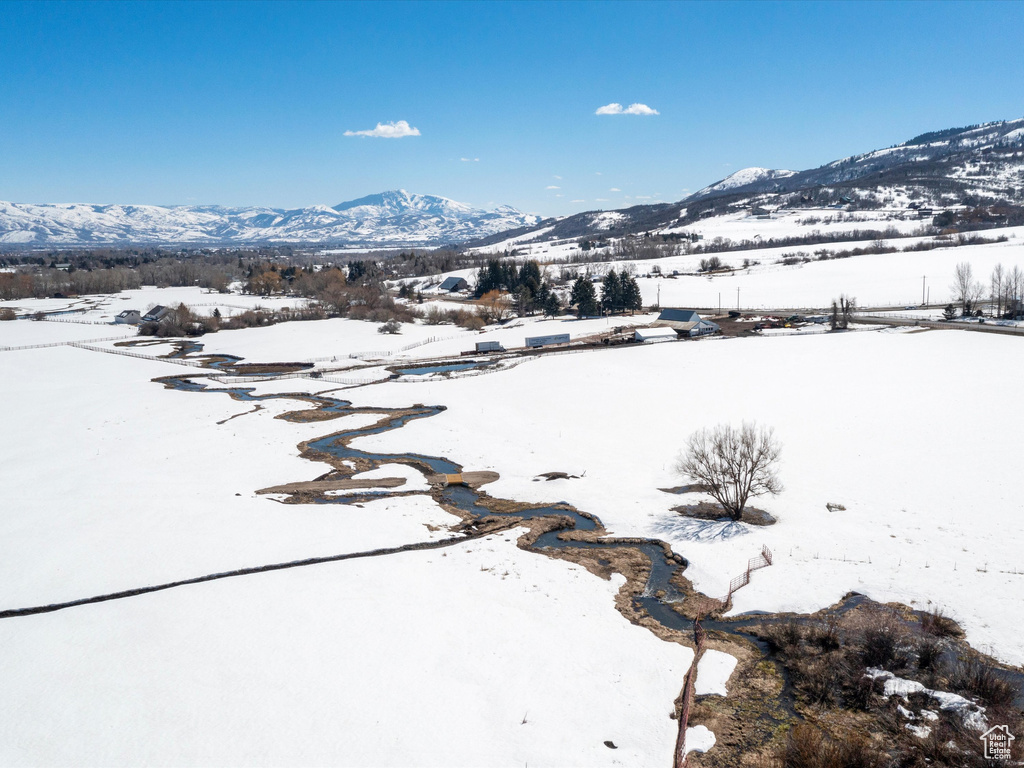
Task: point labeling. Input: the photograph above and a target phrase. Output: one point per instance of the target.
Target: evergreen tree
(949, 313)
(611, 292)
(525, 303)
(584, 297)
(631, 297)
(552, 306)
(529, 275)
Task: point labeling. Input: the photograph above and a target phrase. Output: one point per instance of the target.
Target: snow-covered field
(885, 423)
(881, 280)
(887, 279)
(338, 338)
(104, 308)
(475, 654)
(478, 653)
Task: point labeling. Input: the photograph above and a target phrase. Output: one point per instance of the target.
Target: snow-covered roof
(452, 284)
(655, 333)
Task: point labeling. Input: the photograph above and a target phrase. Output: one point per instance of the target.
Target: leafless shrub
(825, 634)
(928, 653)
(936, 623)
(882, 639)
(809, 747)
(974, 677)
(782, 637)
(820, 678)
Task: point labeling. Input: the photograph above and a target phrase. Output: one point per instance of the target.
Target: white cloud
(577, 201)
(633, 109)
(558, 177)
(551, 186)
(614, 189)
(559, 195)
(470, 159)
(601, 199)
(395, 130)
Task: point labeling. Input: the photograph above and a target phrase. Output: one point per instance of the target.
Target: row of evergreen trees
(501, 275)
(619, 293)
(529, 290)
(531, 293)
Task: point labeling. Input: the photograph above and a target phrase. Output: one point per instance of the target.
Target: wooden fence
(63, 343)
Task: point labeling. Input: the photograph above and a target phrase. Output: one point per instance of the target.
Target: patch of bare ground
(310, 415)
(680, 489)
(750, 722)
(703, 510)
(255, 408)
(259, 368)
(342, 484)
(470, 479)
(555, 476)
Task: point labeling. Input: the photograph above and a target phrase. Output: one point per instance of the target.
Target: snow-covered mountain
(984, 161)
(976, 166)
(389, 219)
(742, 178)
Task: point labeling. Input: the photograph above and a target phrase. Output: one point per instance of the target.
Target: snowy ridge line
(420, 545)
(175, 360)
(63, 343)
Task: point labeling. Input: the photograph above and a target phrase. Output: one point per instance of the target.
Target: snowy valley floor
(479, 653)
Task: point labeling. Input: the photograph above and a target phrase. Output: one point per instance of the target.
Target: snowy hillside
(976, 166)
(396, 218)
(983, 160)
(742, 178)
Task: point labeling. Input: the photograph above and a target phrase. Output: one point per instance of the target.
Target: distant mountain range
(389, 219)
(980, 165)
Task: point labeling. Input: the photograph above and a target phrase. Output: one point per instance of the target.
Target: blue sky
(248, 103)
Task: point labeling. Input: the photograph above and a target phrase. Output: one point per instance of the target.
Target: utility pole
(737, 298)
(923, 277)
(719, 302)
(659, 294)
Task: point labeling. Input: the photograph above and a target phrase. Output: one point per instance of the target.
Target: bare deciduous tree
(733, 463)
(966, 290)
(1014, 285)
(998, 289)
(842, 312)
(495, 306)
